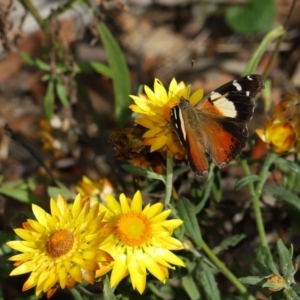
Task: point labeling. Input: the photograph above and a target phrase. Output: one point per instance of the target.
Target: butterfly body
(217, 124)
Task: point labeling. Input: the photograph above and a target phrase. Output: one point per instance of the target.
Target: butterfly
(217, 124)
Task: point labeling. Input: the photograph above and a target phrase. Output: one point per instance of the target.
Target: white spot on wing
(237, 85)
(182, 125)
(248, 93)
(249, 77)
(225, 106)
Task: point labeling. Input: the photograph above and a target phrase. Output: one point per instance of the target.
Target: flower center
(60, 243)
(167, 108)
(134, 229)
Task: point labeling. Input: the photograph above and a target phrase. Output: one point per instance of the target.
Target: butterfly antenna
(192, 67)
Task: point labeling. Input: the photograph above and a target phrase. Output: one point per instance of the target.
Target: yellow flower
(141, 242)
(96, 189)
(278, 137)
(277, 282)
(154, 110)
(62, 248)
(281, 134)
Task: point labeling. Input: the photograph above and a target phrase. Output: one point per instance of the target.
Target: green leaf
(108, 292)
(265, 262)
(261, 49)
(251, 280)
(205, 194)
(49, 100)
(186, 212)
(252, 17)
(53, 192)
(297, 260)
(143, 173)
(285, 195)
(291, 294)
(285, 260)
(209, 284)
(75, 293)
(93, 66)
(61, 92)
(20, 190)
(119, 73)
(190, 287)
(229, 242)
(33, 61)
(217, 187)
(22, 195)
(1, 178)
(289, 165)
(246, 180)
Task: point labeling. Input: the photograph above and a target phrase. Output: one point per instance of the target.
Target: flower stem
(256, 192)
(230, 276)
(30, 7)
(169, 178)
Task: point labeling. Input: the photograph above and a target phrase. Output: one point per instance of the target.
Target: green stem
(169, 178)
(230, 276)
(256, 193)
(30, 7)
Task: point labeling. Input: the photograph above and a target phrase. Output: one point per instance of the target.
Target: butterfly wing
(223, 116)
(217, 124)
(191, 140)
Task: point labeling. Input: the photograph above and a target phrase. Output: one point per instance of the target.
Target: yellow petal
(119, 270)
(196, 97)
(152, 132)
(39, 213)
(75, 273)
(145, 122)
(137, 202)
(113, 204)
(161, 217)
(158, 143)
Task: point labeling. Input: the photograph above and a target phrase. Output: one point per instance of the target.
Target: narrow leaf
(61, 92)
(246, 180)
(205, 194)
(190, 287)
(284, 195)
(229, 242)
(108, 292)
(251, 280)
(143, 173)
(216, 187)
(53, 192)
(265, 261)
(75, 293)
(209, 283)
(33, 61)
(49, 100)
(93, 66)
(21, 195)
(119, 73)
(289, 165)
(285, 260)
(186, 212)
(290, 294)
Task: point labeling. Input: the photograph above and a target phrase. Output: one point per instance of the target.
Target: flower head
(96, 189)
(141, 242)
(154, 110)
(275, 282)
(282, 132)
(127, 143)
(62, 248)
